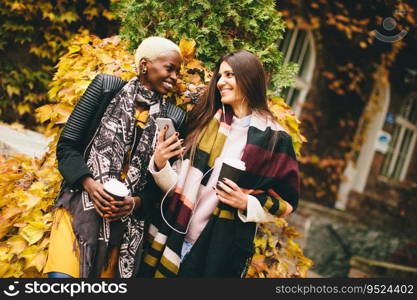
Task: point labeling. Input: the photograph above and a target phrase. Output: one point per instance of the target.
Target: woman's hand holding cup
(101, 200)
(226, 189)
(122, 204)
(122, 208)
(230, 193)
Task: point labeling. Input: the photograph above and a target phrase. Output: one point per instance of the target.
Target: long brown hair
(251, 82)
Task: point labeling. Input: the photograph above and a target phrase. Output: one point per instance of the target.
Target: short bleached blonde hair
(152, 47)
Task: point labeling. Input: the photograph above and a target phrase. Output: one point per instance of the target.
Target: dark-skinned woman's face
(162, 72)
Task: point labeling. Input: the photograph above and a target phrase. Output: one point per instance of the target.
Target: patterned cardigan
(226, 243)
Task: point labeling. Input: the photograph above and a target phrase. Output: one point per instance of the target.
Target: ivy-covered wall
(33, 35)
(349, 60)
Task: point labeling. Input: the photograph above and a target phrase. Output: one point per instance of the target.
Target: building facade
(358, 109)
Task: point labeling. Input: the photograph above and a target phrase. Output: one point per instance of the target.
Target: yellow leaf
(278, 101)
(194, 64)
(108, 15)
(32, 273)
(44, 113)
(68, 16)
(187, 48)
(63, 109)
(91, 12)
(260, 243)
(15, 270)
(271, 241)
(8, 213)
(280, 222)
(23, 108)
(33, 232)
(17, 244)
(293, 249)
(4, 249)
(282, 268)
(292, 122)
(128, 67)
(4, 267)
(44, 243)
(291, 232)
(105, 58)
(12, 90)
(38, 261)
(30, 201)
(5, 255)
(17, 6)
(142, 117)
(73, 49)
(251, 272)
(258, 262)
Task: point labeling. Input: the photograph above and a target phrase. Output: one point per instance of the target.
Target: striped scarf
(226, 244)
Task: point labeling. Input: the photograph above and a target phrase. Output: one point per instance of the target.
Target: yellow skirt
(64, 253)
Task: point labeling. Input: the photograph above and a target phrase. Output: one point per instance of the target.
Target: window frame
(404, 124)
(303, 83)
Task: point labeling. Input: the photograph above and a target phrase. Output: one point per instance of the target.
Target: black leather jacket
(74, 142)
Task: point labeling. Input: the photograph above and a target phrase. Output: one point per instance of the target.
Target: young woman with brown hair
(206, 226)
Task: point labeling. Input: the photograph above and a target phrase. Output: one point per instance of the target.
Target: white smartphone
(161, 122)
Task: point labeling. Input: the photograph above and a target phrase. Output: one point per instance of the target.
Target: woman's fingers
(122, 206)
(175, 146)
(234, 198)
(101, 214)
(231, 184)
(226, 201)
(172, 151)
(224, 187)
(172, 139)
(104, 195)
(115, 215)
(222, 193)
(102, 204)
(177, 153)
(161, 135)
(223, 199)
(164, 142)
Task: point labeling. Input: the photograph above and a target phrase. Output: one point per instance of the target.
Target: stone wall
(332, 237)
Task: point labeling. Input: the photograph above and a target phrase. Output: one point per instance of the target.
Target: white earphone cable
(175, 183)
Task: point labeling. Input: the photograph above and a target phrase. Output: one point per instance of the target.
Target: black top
(74, 142)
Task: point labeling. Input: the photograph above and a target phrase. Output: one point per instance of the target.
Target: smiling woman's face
(162, 72)
(227, 86)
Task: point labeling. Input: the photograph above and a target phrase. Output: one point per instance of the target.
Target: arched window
(402, 141)
(298, 47)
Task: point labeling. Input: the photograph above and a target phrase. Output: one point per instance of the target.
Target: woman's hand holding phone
(167, 148)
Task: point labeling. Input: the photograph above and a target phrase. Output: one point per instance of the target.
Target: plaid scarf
(226, 244)
(110, 146)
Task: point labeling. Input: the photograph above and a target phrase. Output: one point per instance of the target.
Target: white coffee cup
(116, 189)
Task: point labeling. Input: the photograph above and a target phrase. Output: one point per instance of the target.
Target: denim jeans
(58, 275)
(186, 247)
